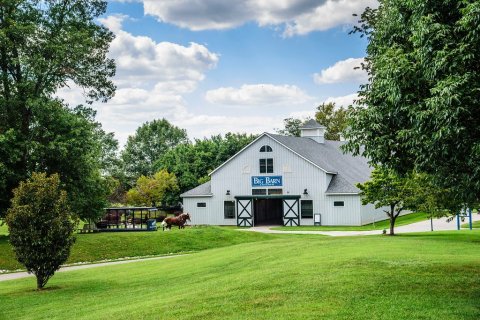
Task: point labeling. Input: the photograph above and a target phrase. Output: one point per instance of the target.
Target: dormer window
(266, 148)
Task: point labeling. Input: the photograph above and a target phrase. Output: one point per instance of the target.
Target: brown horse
(178, 221)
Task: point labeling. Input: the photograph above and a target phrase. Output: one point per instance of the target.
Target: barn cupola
(313, 130)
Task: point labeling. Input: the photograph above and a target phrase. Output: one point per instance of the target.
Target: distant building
(285, 180)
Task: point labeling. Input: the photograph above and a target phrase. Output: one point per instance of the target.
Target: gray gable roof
(202, 190)
(347, 169)
(311, 124)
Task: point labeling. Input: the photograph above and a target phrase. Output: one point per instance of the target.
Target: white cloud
(142, 62)
(348, 70)
(343, 101)
(151, 79)
(208, 125)
(113, 22)
(305, 114)
(297, 16)
(257, 95)
(329, 14)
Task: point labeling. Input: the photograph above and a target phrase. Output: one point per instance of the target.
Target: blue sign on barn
(267, 181)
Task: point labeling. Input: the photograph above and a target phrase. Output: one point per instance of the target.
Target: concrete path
(440, 224)
(19, 275)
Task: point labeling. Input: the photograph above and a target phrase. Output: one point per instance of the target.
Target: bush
(41, 226)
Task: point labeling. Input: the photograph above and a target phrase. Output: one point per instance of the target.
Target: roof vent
(313, 130)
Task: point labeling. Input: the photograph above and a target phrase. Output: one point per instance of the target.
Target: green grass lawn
(427, 276)
(380, 225)
(101, 246)
(3, 229)
(475, 224)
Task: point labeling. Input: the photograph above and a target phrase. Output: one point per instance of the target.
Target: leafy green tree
(110, 162)
(291, 127)
(41, 226)
(150, 142)
(335, 119)
(421, 104)
(152, 190)
(387, 189)
(66, 142)
(429, 198)
(45, 46)
(184, 163)
(191, 163)
(229, 145)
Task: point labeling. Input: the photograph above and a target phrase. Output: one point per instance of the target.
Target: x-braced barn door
(290, 212)
(244, 216)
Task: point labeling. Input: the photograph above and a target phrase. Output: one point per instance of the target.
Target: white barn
(284, 180)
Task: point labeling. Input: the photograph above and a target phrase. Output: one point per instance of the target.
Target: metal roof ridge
(301, 156)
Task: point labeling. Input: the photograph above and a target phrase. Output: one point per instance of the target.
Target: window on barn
(338, 204)
(275, 191)
(201, 204)
(266, 148)
(306, 209)
(259, 192)
(229, 209)
(266, 165)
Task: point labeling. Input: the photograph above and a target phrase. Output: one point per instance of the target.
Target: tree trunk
(392, 220)
(40, 282)
(392, 225)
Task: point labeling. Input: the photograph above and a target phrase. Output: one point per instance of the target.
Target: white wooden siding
(348, 215)
(370, 214)
(298, 175)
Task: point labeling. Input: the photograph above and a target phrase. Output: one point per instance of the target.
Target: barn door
(244, 216)
(291, 212)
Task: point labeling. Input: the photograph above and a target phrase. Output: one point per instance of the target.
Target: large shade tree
(66, 141)
(149, 143)
(291, 127)
(45, 46)
(333, 118)
(327, 114)
(192, 162)
(420, 107)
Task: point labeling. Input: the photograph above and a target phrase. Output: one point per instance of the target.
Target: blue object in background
(152, 225)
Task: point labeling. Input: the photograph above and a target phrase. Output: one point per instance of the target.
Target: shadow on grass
(32, 290)
(48, 288)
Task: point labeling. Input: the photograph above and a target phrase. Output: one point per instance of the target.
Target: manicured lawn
(3, 229)
(101, 246)
(428, 276)
(380, 225)
(475, 224)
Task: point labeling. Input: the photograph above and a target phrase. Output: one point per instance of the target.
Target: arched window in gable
(266, 148)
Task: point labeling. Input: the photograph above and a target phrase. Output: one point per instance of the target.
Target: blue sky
(214, 66)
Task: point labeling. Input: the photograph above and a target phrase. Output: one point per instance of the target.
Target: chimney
(313, 130)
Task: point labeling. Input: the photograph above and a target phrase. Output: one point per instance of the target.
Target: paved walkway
(440, 224)
(19, 275)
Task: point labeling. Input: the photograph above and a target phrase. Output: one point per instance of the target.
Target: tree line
(159, 149)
